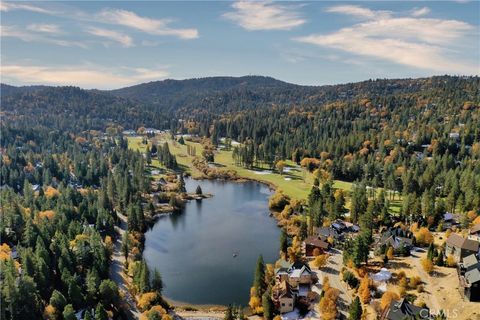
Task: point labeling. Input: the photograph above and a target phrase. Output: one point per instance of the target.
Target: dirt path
(117, 266)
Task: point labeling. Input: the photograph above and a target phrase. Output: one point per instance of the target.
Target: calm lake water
(194, 249)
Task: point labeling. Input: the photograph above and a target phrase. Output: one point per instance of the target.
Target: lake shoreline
(231, 192)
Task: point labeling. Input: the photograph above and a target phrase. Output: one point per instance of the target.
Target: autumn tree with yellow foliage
(427, 265)
(328, 303)
(364, 290)
(387, 299)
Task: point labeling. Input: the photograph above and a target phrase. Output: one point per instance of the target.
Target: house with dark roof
(328, 232)
(460, 247)
(316, 242)
(401, 241)
(474, 233)
(469, 278)
(471, 285)
(449, 221)
(403, 310)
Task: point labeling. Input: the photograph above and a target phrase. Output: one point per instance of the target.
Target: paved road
(332, 271)
(117, 268)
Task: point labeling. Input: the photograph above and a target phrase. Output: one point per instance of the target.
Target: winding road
(117, 269)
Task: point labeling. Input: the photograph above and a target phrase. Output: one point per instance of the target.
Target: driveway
(332, 271)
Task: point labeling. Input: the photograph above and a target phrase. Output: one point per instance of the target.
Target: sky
(105, 44)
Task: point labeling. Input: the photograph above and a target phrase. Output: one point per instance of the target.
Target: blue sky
(107, 44)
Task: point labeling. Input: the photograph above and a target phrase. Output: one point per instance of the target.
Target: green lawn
(295, 181)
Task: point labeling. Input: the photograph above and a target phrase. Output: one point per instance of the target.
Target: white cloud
(88, 76)
(27, 36)
(121, 38)
(152, 26)
(416, 42)
(264, 15)
(45, 28)
(10, 6)
(418, 12)
(357, 11)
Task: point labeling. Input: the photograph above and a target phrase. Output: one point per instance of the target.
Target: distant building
(459, 247)
(401, 310)
(454, 135)
(129, 132)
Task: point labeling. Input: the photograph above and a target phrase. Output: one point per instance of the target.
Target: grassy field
(295, 181)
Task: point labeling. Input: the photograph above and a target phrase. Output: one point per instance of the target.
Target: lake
(193, 250)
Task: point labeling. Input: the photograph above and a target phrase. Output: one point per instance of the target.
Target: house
(300, 274)
(449, 221)
(401, 241)
(293, 284)
(314, 242)
(327, 232)
(469, 263)
(295, 274)
(402, 309)
(129, 132)
(474, 233)
(471, 285)
(283, 297)
(459, 247)
(469, 278)
(454, 135)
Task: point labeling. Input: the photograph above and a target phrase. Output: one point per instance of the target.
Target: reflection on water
(207, 253)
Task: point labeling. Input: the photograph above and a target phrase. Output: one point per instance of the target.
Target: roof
(317, 242)
(327, 232)
(400, 310)
(460, 242)
(282, 290)
(475, 229)
(448, 216)
(297, 273)
(397, 242)
(469, 261)
(472, 276)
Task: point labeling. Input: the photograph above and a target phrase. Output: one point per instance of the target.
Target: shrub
(350, 279)
(278, 200)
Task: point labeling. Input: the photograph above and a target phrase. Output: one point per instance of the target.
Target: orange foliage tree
(387, 298)
(328, 304)
(364, 289)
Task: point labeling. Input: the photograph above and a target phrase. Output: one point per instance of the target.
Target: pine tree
(267, 304)
(355, 311)
(199, 191)
(100, 313)
(157, 283)
(259, 280)
(69, 313)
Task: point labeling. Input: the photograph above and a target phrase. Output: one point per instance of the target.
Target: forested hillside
(66, 170)
(74, 109)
